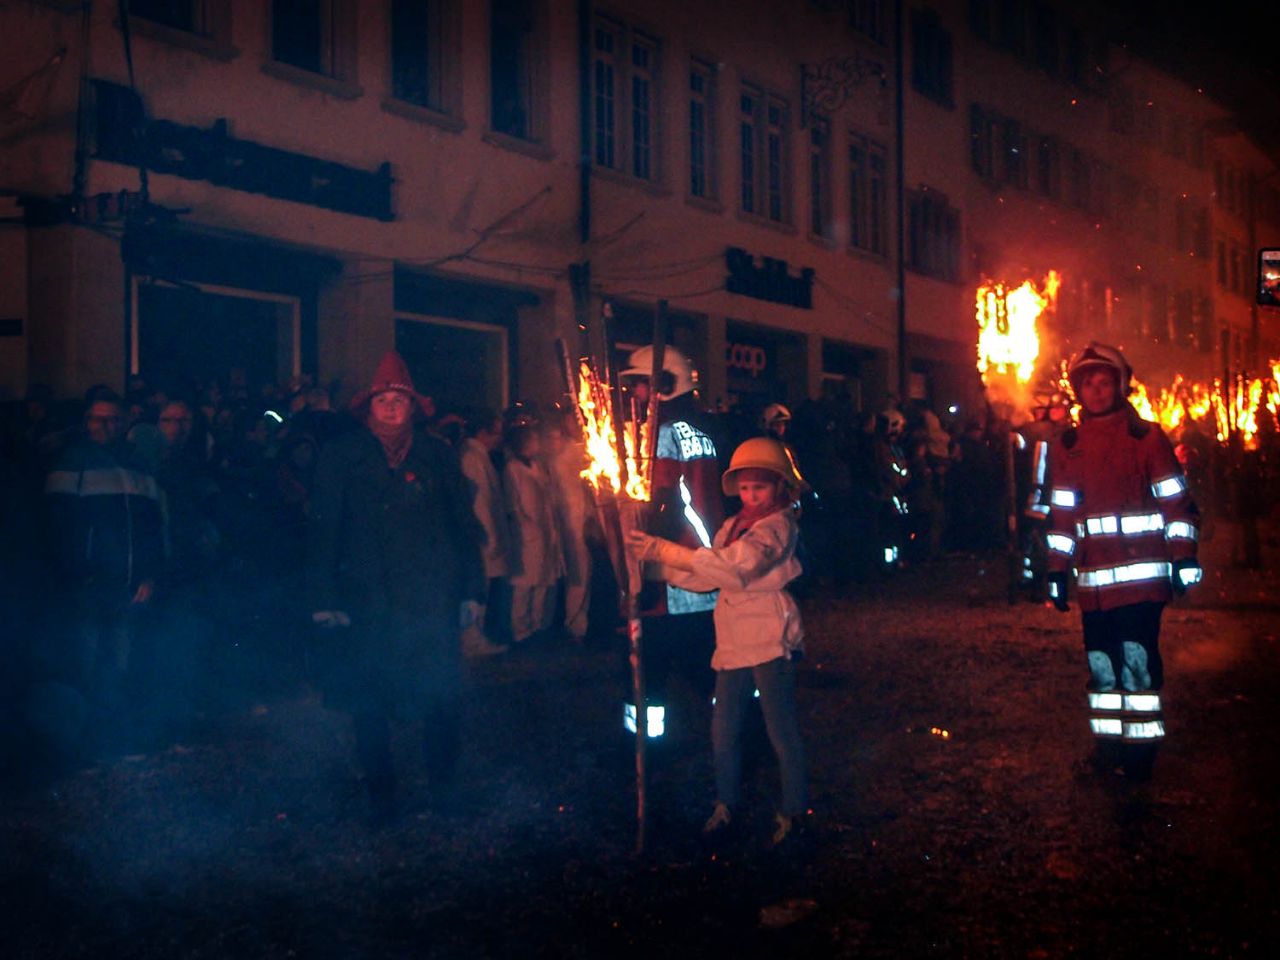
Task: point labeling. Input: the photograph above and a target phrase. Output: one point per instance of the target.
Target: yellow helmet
(761, 453)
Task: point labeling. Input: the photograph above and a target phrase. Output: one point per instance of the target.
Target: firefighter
(1050, 417)
(686, 507)
(1121, 517)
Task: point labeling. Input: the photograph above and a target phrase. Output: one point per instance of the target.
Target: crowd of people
(175, 550)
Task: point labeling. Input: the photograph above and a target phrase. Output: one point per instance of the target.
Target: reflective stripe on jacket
(1120, 513)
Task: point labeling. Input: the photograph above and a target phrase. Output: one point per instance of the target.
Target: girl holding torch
(759, 635)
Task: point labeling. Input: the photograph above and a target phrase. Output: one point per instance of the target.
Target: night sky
(1230, 47)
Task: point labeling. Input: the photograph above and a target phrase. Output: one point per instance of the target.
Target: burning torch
(620, 456)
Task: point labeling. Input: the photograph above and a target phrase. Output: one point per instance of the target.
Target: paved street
(952, 816)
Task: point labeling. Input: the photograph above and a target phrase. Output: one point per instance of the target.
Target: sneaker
(482, 647)
(719, 822)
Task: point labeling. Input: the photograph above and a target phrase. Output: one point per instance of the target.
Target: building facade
(814, 189)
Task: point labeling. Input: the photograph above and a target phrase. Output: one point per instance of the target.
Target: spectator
(394, 563)
(105, 509)
(538, 558)
(489, 634)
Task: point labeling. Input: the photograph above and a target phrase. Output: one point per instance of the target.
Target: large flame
(604, 470)
(1241, 406)
(1007, 336)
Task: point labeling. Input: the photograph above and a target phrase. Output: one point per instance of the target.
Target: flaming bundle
(1241, 406)
(1007, 337)
(620, 474)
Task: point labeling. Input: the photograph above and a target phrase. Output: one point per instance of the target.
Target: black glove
(1058, 591)
(1185, 573)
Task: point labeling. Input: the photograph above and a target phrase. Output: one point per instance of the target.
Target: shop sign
(769, 279)
(123, 133)
(748, 358)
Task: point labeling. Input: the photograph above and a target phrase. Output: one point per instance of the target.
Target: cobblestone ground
(952, 816)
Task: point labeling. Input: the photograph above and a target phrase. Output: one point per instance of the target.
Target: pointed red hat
(392, 374)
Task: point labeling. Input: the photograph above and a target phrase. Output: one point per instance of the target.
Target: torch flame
(1007, 337)
(604, 470)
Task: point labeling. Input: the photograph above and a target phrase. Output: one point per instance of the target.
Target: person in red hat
(395, 574)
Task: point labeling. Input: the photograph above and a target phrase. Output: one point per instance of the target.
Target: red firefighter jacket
(1120, 513)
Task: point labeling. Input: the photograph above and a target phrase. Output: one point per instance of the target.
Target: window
(1204, 323)
(1182, 228)
(1175, 137)
(701, 139)
(1183, 319)
(418, 53)
(511, 68)
(1236, 272)
(867, 17)
(820, 177)
(1150, 214)
(1222, 263)
(933, 234)
(930, 57)
(623, 66)
(982, 142)
(200, 17)
(762, 141)
(980, 18)
(317, 36)
(1013, 154)
(1048, 168)
(1120, 113)
(1011, 26)
(1044, 35)
(1078, 171)
(868, 196)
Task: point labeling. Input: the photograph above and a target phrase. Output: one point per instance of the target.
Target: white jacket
(756, 619)
(537, 560)
(490, 506)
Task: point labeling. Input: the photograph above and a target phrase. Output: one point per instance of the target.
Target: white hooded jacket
(756, 618)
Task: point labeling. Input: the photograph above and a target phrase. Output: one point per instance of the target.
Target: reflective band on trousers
(1132, 702)
(1126, 573)
(1129, 525)
(1181, 530)
(1168, 487)
(1114, 727)
(1062, 497)
(655, 720)
(1061, 543)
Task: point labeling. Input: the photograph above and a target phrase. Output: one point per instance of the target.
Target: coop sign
(746, 357)
(769, 279)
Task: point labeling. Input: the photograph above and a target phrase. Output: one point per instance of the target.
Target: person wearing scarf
(394, 574)
(759, 635)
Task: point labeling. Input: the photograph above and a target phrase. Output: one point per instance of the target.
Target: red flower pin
(410, 476)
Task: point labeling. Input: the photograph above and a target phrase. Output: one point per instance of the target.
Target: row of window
(1235, 268)
(1035, 34)
(1178, 136)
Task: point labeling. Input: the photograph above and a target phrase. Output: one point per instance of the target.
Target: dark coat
(398, 551)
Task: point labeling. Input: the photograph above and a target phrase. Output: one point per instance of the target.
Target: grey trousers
(776, 681)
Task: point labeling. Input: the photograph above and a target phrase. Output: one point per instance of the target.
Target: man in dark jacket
(395, 572)
(105, 511)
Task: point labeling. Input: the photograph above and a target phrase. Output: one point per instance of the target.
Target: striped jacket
(105, 510)
(1120, 514)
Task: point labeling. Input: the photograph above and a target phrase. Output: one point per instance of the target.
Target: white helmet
(1099, 356)
(774, 413)
(683, 373)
